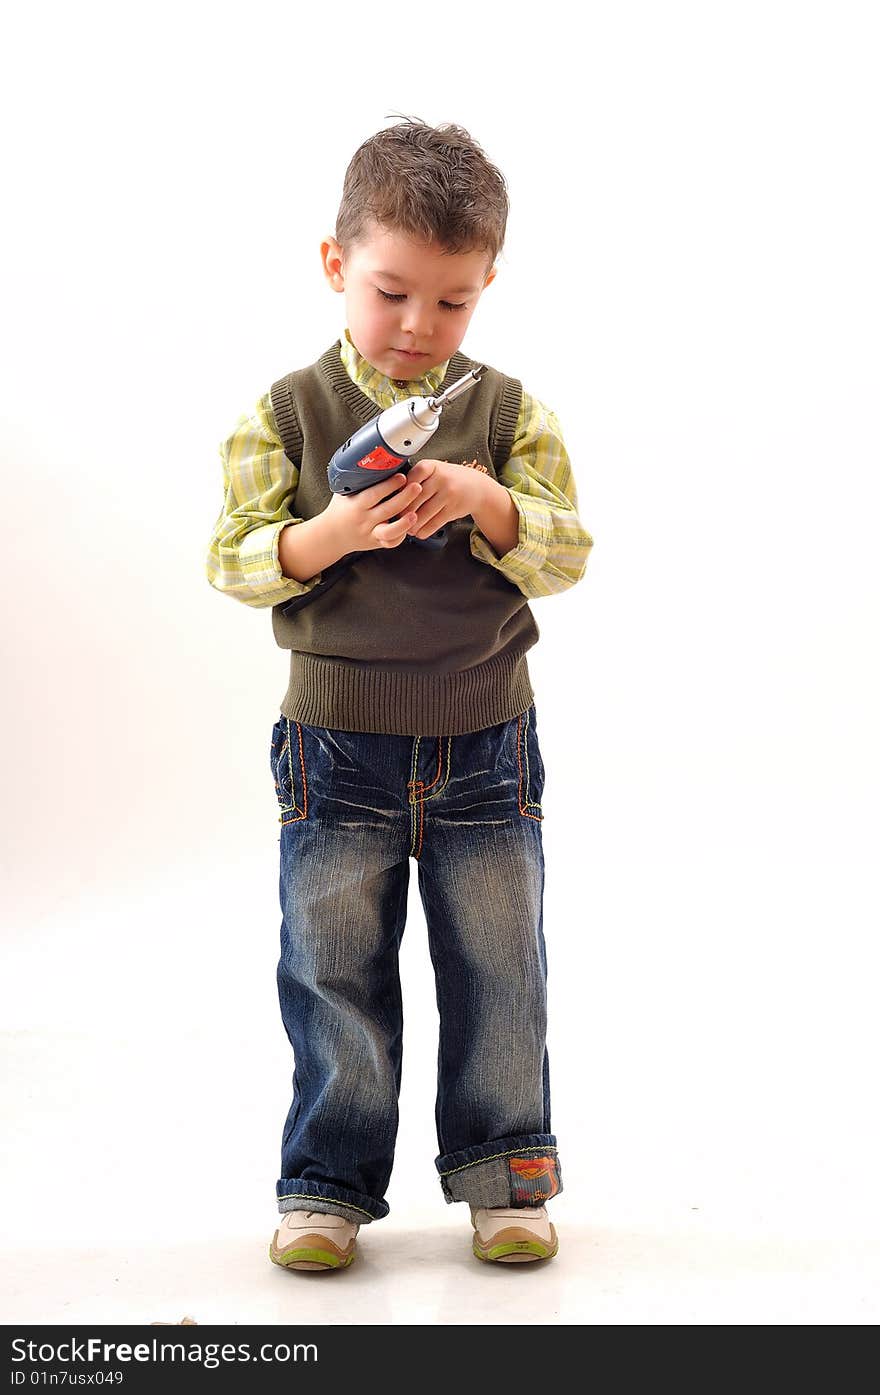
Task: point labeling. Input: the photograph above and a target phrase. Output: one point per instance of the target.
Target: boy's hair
(433, 183)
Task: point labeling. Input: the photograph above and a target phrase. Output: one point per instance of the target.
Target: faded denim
(355, 807)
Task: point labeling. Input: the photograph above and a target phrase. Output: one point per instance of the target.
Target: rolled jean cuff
(304, 1194)
(519, 1171)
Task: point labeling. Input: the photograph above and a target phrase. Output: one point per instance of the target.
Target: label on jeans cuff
(533, 1180)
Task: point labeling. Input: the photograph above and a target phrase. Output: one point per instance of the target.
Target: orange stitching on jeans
(524, 804)
(302, 766)
(412, 786)
(448, 770)
(439, 768)
(421, 817)
(417, 788)
(412, 783)
(300, 813)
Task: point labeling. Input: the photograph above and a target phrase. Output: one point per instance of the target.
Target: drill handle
(361, 462)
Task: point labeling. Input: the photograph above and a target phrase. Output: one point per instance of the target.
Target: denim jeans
(354, 808)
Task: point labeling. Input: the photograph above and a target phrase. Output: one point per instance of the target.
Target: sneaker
(313, 1240)
(513, 1235)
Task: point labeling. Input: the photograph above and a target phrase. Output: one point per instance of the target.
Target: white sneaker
(513, 1234)
(313, 1240)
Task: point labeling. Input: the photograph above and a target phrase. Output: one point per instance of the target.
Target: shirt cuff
(530, 552)
(258, 559)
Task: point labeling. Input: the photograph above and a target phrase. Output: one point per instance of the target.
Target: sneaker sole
(517, 1247)
(314, 1257)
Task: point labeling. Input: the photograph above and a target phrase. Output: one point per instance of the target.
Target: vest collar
(342, 359)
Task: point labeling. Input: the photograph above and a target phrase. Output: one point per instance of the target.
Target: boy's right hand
(361, 521)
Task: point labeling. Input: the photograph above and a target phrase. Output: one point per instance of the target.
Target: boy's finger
(391, 485)
(396, 525)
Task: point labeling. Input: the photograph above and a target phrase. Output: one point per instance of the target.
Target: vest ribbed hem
(330, 693)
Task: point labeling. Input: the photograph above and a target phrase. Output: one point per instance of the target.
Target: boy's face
(408, 304)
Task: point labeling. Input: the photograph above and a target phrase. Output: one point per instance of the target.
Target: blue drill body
(385, 446)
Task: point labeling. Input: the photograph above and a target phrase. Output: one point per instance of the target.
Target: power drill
(386, 444)
(384, 447)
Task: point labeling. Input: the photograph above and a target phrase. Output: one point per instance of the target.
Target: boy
(408, 728)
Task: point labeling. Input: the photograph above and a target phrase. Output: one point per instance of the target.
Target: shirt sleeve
(259, 486)
(553, 546)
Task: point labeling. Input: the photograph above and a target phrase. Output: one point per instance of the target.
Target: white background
(691, 281)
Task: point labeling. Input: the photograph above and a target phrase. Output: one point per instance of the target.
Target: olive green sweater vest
(409, 640)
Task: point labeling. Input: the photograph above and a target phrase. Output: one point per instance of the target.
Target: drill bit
(456, 389)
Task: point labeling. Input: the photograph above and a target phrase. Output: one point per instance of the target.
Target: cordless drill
(386, 444)
(382, 448)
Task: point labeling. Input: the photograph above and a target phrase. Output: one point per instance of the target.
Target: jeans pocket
(288, 767)
(530, 766)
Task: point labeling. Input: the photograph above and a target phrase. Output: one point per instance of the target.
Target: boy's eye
(447, 305)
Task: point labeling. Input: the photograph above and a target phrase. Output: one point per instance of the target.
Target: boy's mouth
(411, 353)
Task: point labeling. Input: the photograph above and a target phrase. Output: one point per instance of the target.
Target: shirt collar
(378, 385)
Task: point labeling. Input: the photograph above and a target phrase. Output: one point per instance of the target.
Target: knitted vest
(409, 640)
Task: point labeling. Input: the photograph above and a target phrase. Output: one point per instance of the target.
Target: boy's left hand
(449, 491)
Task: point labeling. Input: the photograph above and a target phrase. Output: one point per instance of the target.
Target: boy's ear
(332, 262)
(491, 277)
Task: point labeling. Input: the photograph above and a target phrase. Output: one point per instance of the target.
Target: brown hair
(433, 183)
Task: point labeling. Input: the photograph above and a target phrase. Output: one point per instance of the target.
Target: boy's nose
(416, 321)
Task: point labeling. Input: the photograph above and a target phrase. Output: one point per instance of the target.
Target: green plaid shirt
(259, 482)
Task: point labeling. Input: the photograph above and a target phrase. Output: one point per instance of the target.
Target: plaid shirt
(259, 482)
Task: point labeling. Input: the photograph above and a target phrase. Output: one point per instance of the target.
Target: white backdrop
(691, 282)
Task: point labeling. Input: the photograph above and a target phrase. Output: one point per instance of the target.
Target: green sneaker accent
(313, 1256)
(515, 1247)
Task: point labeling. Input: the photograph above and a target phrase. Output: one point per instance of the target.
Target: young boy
(408, 729)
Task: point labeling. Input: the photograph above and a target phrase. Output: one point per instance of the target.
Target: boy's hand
(448, 492)
(361, 521)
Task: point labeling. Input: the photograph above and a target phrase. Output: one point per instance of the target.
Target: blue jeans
(355, 807)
